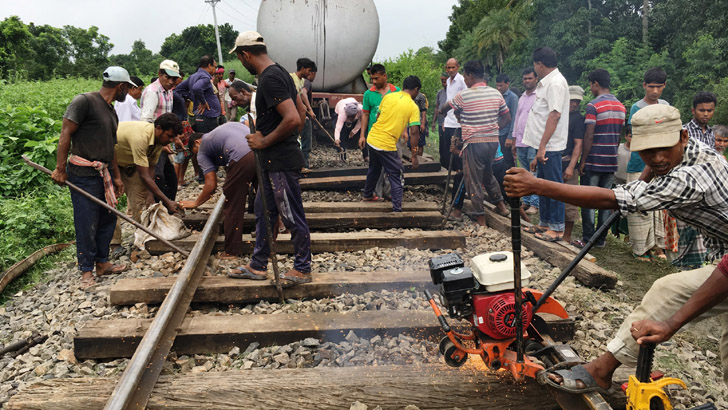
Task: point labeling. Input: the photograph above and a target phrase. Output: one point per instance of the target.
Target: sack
(158, 220)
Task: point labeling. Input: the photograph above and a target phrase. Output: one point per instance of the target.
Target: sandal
(291, 281)
(87, 281)
(226, 256)
(547, 238)
(112, 270)
(578, 243)
(569, 379)
(534, 229)
(245, 274)
(641, 258)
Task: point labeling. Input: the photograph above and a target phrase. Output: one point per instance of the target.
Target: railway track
(185, 326)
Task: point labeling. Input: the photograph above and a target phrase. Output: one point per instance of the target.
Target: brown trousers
(239, 175)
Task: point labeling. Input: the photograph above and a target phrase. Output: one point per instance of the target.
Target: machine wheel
(443, 344)
(448, 349)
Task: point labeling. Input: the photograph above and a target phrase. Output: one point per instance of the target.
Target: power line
(251, 20)
(245, 23)
(251, 7)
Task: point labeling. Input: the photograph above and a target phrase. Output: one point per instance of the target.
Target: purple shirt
(200, 84)
(223, 145)
(519, 123)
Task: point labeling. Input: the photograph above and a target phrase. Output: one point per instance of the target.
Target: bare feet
(502, 209)
(601, 369)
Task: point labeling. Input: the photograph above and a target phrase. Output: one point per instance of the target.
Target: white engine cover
(494, 271)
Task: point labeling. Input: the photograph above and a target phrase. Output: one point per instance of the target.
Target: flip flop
(641, 258)
(569, 379)
(113, 270)
(245, 274)
(546, 238)
(87, 282)
(291, 281)
(534, 229)
(455, 218)
(578, 243)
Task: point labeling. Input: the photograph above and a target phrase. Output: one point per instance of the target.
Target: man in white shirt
(455, 84)
(547, 130)
(129, 110)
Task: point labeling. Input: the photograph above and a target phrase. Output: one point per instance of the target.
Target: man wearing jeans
(523, 152)
(88, 132)
(547, 131)
(604, 121)
(397, 112)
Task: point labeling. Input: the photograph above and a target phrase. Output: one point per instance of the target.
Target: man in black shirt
(280, 115)
(570, 155)
(89, 133)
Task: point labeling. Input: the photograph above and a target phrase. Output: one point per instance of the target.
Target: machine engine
(484, 294)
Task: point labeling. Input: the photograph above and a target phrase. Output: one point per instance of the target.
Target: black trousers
(166, 177)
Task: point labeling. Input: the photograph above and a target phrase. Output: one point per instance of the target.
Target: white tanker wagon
(341, 36)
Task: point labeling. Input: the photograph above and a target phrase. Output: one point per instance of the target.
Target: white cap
(170, 67)
(118, 74)
(655, 126)
(248, 38)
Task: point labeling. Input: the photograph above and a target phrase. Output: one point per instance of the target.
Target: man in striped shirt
(482, 111)
(687, 180)
(604, 121)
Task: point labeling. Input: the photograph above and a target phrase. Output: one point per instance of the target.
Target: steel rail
(137, 382)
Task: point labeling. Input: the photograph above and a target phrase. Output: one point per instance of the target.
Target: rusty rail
(138, 380)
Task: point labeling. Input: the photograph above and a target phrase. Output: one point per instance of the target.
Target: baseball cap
(220, 70)
(576, 92)
(655, 126)
(117, 74)
(232, 71)
(248, 38)
(351, 109)
(170, 67)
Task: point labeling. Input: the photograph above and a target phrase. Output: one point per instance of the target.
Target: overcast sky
(404, 24)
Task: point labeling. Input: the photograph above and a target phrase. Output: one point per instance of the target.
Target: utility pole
(217, 33)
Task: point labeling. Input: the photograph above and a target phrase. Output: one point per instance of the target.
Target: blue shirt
(512, 103)
(200, 84)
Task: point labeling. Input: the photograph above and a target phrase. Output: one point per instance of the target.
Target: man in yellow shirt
(397, 112)
(138, 147)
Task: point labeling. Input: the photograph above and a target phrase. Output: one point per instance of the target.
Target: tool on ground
(452, 203)
(266, 216)
(646, 389)
(447, 183)
(340, 150)
(111, 209)
(506, 331)
(22, 346)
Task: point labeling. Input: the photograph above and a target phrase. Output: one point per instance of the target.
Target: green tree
(497, 32)
(50, 52)
(140, 62)
(187, 47)
(89, 51)
(14, 46)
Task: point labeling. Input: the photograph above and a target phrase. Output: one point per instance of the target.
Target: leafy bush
(32, 221)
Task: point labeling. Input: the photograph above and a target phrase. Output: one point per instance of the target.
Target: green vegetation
(625, 38)
(33, 211)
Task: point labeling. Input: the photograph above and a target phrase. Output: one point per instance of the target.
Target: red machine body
(495, 314)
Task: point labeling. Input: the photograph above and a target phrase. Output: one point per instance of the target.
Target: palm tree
(497, 32)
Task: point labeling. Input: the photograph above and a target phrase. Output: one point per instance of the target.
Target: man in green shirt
(372, 99)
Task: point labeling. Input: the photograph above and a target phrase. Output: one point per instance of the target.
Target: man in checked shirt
(688, 180)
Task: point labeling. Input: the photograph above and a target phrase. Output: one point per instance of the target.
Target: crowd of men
(674, 193)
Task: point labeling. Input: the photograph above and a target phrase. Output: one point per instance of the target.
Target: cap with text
(655, 126)
(247, 39)
(117, 74)
(170, 67)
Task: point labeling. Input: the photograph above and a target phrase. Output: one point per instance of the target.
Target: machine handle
(438, 313)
